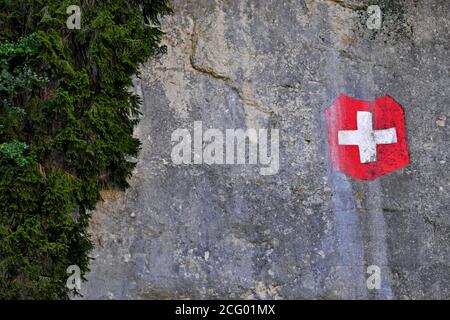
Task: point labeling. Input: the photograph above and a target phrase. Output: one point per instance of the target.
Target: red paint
(387, 113)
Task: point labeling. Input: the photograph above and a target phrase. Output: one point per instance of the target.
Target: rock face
(226, 231)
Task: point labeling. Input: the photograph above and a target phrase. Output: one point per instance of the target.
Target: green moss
(66, 124)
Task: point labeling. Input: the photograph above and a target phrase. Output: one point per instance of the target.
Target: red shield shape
(367, 139)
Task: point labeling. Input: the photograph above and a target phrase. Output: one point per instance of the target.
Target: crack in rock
(245, 97)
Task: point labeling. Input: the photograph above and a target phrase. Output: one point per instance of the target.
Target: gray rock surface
(225, 231)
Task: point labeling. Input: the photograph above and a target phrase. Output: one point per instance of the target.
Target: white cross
(366, 138)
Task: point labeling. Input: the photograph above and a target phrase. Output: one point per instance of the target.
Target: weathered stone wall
(225, 231)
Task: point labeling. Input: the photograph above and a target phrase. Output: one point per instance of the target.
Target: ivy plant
(66, 129)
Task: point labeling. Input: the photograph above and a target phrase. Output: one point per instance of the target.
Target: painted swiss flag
(367, 139)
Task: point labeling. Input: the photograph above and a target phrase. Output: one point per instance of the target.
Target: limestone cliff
(226, 231)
